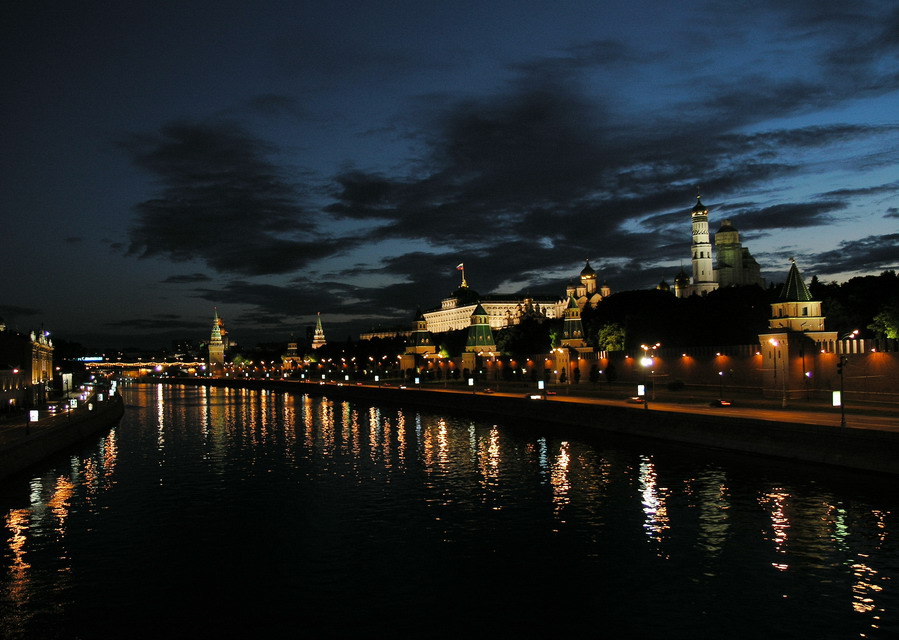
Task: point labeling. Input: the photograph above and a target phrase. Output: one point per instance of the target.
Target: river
(236, 513)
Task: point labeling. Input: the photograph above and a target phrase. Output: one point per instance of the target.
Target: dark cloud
(520, 185)
(10, 313)
(786, 216)
(187, 278)
(161, 322)
(892, 212)
(73, 240)
(876, 41)
(602, 54)
(803, 138)
(271, 104)
(889, 188)
(221, 201)
(873, 253)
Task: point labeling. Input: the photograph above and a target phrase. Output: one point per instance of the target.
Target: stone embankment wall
(67, 432)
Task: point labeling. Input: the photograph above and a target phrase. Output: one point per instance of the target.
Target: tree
(886, 323)
(610, 337)
(531, 335)
(555, 338)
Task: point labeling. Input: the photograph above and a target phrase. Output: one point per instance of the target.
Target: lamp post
(842, 361)
(646, 361)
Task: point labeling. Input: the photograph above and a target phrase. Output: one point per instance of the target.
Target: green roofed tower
(795, 310)
(216, 344)
(480, 335)
(572, 328)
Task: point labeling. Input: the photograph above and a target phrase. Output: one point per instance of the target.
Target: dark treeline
(867, 303)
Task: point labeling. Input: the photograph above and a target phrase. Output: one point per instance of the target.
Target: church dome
(682, 278)
(588, 271)
(466, 296)
(699, 208)
(726, 226)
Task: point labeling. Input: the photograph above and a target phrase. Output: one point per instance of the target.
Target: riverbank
(25, 446)
(792, 435)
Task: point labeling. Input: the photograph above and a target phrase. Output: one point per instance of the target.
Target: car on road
(635, 400)
(720, 403)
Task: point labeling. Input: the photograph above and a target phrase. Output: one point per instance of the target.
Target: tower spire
(318, 338)
(216, 343)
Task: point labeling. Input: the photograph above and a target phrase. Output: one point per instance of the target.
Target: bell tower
(703, 269)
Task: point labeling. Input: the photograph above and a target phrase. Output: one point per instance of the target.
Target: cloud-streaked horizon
(358, 169)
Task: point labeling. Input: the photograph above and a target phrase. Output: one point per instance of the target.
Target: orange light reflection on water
(775, 502)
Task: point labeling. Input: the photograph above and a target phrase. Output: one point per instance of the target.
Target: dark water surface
(232, 513)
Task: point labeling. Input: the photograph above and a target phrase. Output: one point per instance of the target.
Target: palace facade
(455, 311)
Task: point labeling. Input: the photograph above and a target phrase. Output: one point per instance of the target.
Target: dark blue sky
(276, 159)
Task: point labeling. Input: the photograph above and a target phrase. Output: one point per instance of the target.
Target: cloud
(187, 278)
(10, 313)
(889, 188)
(161, 322)
(521, 184)
(271, 104)
(872, 253)
(570, 62)
(786, 216)
(223, 202)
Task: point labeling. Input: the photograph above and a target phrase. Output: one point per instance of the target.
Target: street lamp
(840, 362)
(646, 361)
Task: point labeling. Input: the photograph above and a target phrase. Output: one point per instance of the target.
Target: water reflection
(654, 502)
(559, 478)
(44, 523)
(714, 517)
(484, 489)
(774, 501)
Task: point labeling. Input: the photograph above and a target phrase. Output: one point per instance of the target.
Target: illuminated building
(217, 342)
(318, 338)
(796, 330)
(480, 336)
(573, 328)
(420, 339)
(795, 310)
(736, 266)
(28, 359)
(455, 311)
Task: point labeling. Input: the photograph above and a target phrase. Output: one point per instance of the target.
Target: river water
(234, 513)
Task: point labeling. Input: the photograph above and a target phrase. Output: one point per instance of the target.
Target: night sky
(276, 159)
